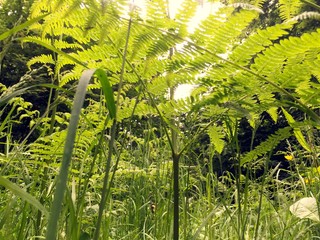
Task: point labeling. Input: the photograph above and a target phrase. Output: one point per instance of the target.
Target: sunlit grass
(140, 206)
(89, 169)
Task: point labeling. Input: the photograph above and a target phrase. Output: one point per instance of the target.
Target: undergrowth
(126, 160)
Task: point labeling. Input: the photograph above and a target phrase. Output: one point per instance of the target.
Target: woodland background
(122, 158)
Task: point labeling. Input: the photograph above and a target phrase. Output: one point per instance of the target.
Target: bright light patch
(183, 91)
(204, 9)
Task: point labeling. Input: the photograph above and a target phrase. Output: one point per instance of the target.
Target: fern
(216, 138)
(281, 64)
(49, 148)
(236, 76)
(142, 42)
(267, 146)
(247, 6)
(157, 14)
(43, 58)
(226, 88)
(289, 8)
(306, 15)
(244, 3)
(257, 42)
(184, 16)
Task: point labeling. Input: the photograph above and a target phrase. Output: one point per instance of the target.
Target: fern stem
(176, 191)
(104, 193)
(311, 4)
(112, 141)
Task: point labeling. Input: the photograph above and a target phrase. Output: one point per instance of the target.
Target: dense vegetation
(95, 143)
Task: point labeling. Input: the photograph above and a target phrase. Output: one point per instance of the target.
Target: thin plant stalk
(261, 195)
(105, 182)
(111, 142)
(62, 179)
(63, 175)
(53, 96)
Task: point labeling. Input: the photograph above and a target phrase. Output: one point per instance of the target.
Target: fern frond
(258, 3)
(125, 111)
(255, 3)
(144, 109)
(158, 85)
(257, 42)
(157, 13)
(184, 16)
(143, 39)
(206, 28)
(75, 74)
(49, 147)
(217, 136)
(267, 146)
(172, 108)
(306, 15)
(228, 32)
(60, 44)
(280, 63)
(289, 8)
(43, 58)
(219, 36)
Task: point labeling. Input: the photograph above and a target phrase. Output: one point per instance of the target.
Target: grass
(104, 179)
(139, 205)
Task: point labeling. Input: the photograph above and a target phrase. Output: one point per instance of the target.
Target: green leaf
(70, 139)
(266, 146)
(107, 90)
(297, 132)
(52, 48)
(6, 97)
(273, 113)
(21, 26)
(23, 195)
(216, 138)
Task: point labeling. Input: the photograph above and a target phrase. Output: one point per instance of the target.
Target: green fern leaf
(306, 15)
(216, 138)
(297, 132)
(257, 42)
(289, 8)
(266, 146)
(43, 58)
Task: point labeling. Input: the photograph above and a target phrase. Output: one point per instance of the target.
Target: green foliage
(70, 140)
(216, 137)
(297, 132)
(289, 8)
(267, 146)
(238, 72)
(23, 195)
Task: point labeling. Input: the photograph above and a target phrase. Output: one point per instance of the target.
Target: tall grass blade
(107, 90)
(21, 26)
(297, 132)
(23, 195)
(68, 147)
(6, 97)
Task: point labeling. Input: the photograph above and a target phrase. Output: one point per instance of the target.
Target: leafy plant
(239, 73)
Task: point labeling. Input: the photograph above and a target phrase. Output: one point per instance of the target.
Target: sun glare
(204, 9)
